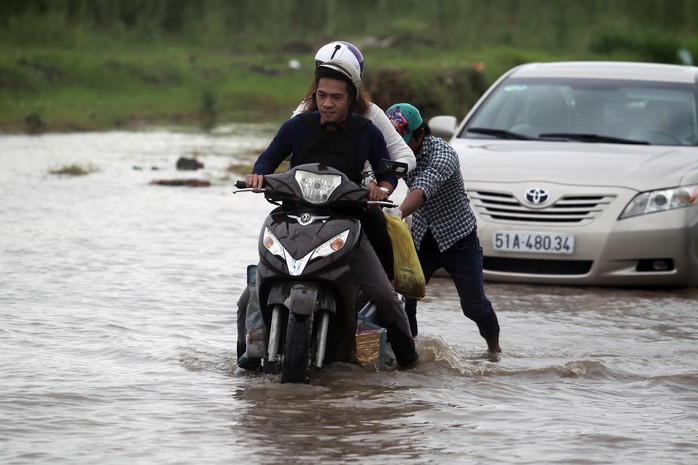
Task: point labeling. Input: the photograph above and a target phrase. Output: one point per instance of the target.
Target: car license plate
(536, 242)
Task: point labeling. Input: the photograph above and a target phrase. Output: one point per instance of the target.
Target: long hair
(361, 107)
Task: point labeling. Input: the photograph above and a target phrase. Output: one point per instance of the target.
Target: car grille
(537, 266)
(569, 209)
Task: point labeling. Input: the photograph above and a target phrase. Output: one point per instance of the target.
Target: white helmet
(346, 69)
(341, 50)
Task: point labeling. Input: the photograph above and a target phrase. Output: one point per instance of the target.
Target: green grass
(94, 89)
(67, 90)
(98, 65)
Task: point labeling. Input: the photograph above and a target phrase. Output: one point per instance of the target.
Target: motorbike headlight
(331, 246)
(317, 188)
(272, 244)
(661, 200)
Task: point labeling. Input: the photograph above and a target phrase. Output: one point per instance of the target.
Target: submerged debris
(189, 164)
(181, 182)
(73, 170)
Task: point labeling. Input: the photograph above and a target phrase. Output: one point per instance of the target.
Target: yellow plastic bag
(409, 278)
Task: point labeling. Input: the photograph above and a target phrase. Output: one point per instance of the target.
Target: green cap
(405, 118)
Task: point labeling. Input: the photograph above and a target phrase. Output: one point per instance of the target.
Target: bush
(652, 47)
(447, 89)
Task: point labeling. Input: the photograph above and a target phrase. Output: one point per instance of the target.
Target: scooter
(305, 309)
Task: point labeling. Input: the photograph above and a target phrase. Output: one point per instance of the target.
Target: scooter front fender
(302, 297)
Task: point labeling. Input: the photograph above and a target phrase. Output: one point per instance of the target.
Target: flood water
(117, 337)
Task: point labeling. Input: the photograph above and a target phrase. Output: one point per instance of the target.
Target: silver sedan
(584, 173)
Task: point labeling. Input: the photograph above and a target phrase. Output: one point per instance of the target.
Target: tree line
(261, 25)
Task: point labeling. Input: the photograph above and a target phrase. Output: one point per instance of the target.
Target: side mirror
(443, 126)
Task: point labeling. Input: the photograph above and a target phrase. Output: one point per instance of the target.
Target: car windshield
(585, 110)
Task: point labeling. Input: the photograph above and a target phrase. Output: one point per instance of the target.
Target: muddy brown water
(118, 337)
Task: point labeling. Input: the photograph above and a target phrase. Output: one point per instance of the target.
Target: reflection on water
(326, 423)
(118, 334)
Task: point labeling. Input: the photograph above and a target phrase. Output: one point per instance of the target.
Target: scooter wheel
(271, 368)
(297, 356)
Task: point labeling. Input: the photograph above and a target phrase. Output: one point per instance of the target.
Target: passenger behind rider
(373, 221)
(340, 50)
(344, 140)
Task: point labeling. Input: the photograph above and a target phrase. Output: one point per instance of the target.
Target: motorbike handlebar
(383, 203)
(242, 186)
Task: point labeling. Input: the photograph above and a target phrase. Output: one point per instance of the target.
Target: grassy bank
(59, 89)
(49, 89)
(71, 65)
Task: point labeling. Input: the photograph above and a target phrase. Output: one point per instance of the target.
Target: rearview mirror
(443, 126)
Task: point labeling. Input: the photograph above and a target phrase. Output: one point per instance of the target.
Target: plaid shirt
(446, 209)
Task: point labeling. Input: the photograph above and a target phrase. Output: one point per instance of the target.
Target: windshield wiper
(590, 138)
(500, 133)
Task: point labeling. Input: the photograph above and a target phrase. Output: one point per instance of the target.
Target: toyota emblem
(536, 196)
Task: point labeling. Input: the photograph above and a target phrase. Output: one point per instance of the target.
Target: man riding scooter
(336, 137)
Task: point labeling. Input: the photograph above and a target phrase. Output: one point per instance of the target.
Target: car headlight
(661, 200)
(317, 188)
